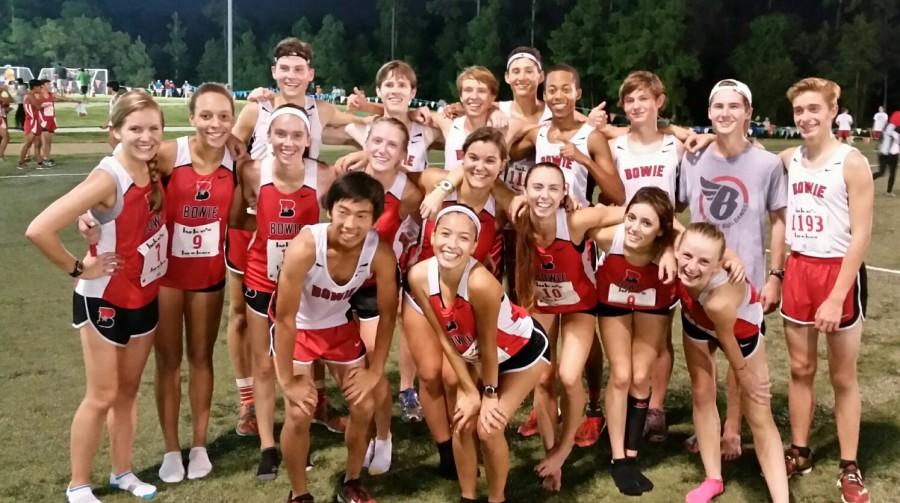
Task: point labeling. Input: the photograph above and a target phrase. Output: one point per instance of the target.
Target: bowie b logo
(451, 326)
(547, 262)
(724, 201)
(632, 278)
(106, 317)
(287, 208)
(203, 189)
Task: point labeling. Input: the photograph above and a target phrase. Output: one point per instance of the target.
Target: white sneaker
(81, 494)
(129, 482)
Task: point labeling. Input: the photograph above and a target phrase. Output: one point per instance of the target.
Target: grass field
(41, 383)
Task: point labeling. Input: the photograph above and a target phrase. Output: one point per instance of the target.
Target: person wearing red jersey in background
(716, 313)
(829, 216)
(31, 103)
(324, 266)
(283, 191)
(555, 273)
(485, 338)
(48, 121)
(115, 299)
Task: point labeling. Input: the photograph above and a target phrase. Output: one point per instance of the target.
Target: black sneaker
(268, 464)
(352, 491)
(303, 498)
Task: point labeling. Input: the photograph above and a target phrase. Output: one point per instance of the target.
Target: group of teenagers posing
(172, 224)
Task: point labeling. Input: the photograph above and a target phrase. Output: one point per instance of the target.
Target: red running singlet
(564, 273)
(623, 285)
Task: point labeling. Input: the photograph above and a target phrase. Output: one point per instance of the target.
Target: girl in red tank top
(280, 196)
(555, 281)
(116, 337)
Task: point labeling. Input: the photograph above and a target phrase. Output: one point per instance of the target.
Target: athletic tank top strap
(183, 151)
(320, 236)
(315, 128)
(434, 279)
(491, 206)
(719, 279)
(562, 225)
(123, 180)
(463, 290)
(311, 173)
(266, 167)
(617, 247)
(227, 161)
(398, 187)
(259, 145)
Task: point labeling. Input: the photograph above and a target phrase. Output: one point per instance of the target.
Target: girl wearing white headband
(485, 338)
(284, 189)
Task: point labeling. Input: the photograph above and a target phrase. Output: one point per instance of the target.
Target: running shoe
(327, 417)
(246, 425)
(851, 484)
(530, 427)
(655, 429)
(795, 464)
(589, 431)
(22, 165)
(42, 165)
(352, 491)
(410, 408)
(268, 464)
(303, 498)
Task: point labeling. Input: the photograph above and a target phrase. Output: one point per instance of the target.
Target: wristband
(778, 273)
(446, 186)
(489, 391)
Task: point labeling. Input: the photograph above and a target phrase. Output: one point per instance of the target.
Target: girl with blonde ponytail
(115, 299)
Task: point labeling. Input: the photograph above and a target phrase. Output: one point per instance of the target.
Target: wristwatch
(77, 269)
(446, 185)
(489, 391)
(778, 273)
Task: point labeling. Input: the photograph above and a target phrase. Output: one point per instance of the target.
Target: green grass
(41, 383)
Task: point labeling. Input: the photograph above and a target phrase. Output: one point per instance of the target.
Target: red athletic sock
(245, 390)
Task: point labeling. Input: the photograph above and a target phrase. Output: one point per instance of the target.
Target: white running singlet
(576, 173)
(658, 168)
(259, 145)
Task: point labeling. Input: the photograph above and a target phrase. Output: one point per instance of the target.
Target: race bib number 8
(155, 260)
(552, 293)
(275, 249)
(199, 241)
(644, 298)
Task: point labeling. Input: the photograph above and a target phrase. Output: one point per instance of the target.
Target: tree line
(690, 43)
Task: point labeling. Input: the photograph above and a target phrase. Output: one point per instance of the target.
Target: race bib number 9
(199, 241)
(807, 230)
(552, 293)
(644, 298)
(155, 260)
(275, 249)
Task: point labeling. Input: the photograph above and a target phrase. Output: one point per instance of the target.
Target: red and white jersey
(259, 139)
(389, 222)
(514, 176)
(324, 303)
(514, 325)
(197, 215)
(658, 168)
(134, 234)
(818, 211)
(416, 149)
(621, 284)
(488, 249)
(576, 174)
(453, 143)
(279, 218)
(564, 273)
(48, 106)
(749, 312)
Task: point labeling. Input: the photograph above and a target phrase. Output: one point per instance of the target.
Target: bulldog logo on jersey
(106, 317)
(204, 187)
(727, 199)
(287, 208)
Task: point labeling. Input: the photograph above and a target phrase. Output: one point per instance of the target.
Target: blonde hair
(127, 104)
(481, 74)
(829, 89)
(707, 230)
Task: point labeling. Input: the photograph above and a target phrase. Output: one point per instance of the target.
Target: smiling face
(642, 226)
(289, 138)
(728, 112)
(386, 147)
(476, 97)
(561, 93)
(293, 75)
(454, 239)
(641, 107)
(545, 188)
(482, 163)
(396, 91)
(699, 258)
(141, 134)
(523, 77)
(213, 117)
(352, 220)
(812, 115)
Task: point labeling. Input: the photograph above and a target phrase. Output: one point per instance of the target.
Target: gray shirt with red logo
(737, 195)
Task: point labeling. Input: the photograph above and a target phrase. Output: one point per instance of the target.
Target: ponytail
(156, 192)
(525, 257)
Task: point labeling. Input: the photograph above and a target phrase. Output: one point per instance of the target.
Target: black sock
(848, 462)
(623, 476)
(634, 422)
(463, 499)
(446, 465)
(804, 452)
(643, 482)
(268, 463)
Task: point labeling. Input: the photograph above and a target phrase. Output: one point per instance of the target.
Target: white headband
(465, 210)
(290, 111)
(523, 55)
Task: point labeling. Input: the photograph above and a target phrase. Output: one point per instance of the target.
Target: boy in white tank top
(322, 269)
(830, 206)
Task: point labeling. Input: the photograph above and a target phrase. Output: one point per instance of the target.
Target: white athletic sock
(381, 457)
(172, 469)
(246, 381)
(199, 464)
(370, 451)
(81, 494)
(129, 482)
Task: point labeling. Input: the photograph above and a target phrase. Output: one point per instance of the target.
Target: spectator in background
(844, 122)
(879, 122)
(84, 82)
(61, 75)
(186, 90)
(21, 91)
(5, 100)
(158, 88)
(887, 156)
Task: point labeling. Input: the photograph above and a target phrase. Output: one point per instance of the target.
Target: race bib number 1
(155, 260)
(275, 249)
(199, 241)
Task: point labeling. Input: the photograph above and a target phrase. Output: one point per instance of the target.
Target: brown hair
(293, 46)
(481, 74)
(396, 68)
(127, 104)
(827, 88)
(392, 122)
(526, 244)
(707, 230)
(657, 199)
(641, 79)
(210, 87)
(568, 69)
(487, 135)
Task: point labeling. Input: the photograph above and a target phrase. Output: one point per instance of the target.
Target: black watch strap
(77, 269)
(778, 273)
